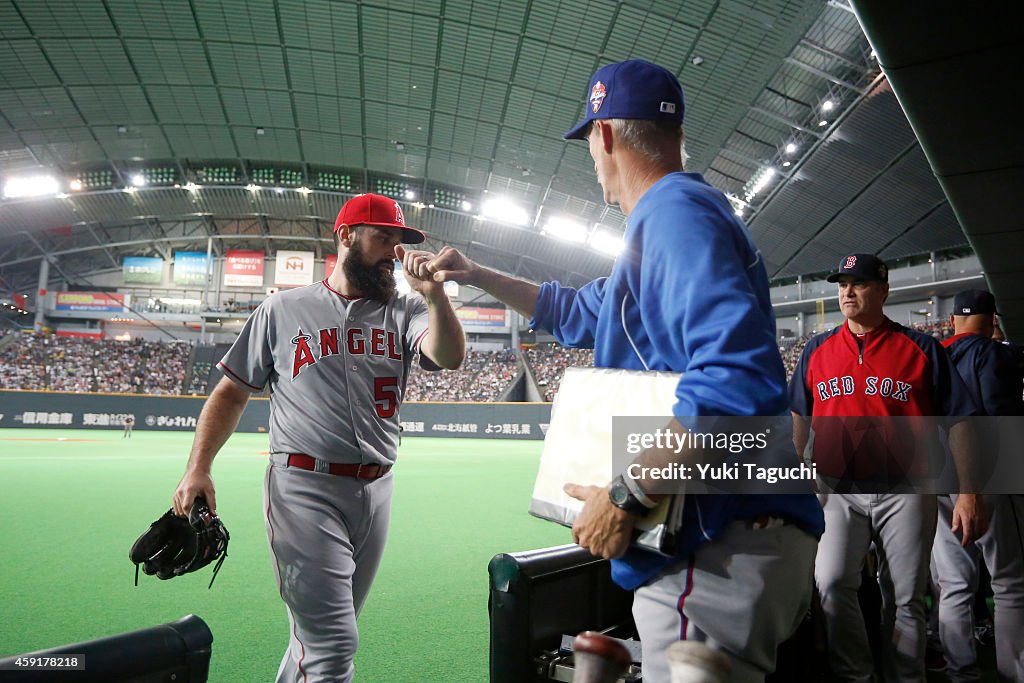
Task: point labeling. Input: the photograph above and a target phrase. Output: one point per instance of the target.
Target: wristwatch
(622, 498)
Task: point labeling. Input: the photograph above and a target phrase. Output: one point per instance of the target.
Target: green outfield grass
(73, 501)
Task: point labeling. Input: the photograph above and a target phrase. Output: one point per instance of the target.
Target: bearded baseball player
(336, 355)
(872, 366)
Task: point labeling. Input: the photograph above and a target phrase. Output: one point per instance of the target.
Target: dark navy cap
(974, 302)
(634, 89)
(862, 267)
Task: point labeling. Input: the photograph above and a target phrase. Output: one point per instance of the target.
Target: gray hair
(647, 137)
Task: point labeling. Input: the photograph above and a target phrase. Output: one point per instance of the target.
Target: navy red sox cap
(974, 302)
(634, 89)
(378, 211)
(863, 267)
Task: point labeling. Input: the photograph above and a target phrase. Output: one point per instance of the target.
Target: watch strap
(638, 492)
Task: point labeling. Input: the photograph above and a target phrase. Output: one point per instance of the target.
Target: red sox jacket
(891, 371)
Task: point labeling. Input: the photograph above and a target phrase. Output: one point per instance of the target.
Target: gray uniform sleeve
(250, 360)
(417, 329)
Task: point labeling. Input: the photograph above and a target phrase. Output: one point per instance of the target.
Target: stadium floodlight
(504, 211)
(304, 190)
(410, 195)
(252, 187)
(31, 186)
(191, 187)
(607, 242)
(739, 206)
(791, 148)
(827, 105)
(562, 228)
(75, 185)
(138, 180)
(467, 206)
(760, 181)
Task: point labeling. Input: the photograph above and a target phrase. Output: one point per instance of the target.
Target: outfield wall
(179, 413)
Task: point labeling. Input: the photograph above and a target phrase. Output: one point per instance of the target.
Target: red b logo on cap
(850, 261)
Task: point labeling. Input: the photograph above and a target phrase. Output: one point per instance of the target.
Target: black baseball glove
(173, 545)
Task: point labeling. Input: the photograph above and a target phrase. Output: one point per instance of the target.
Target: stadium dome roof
(252, 121)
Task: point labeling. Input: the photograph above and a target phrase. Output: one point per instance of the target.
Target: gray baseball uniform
(337, 369)
(991, 375)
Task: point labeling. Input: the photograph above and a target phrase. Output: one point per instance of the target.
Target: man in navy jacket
(992, 376)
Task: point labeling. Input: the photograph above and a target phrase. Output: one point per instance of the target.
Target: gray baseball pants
(327, 535)
(743, 594)
(902, 527)
(955, 569)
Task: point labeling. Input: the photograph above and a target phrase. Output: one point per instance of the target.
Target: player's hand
(191, 485)
(414, 267)
(970, 517)
(601, 528)
(450, 264)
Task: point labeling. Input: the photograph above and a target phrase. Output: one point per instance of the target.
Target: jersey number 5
(385, 395)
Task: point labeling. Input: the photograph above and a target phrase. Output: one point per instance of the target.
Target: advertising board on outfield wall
(526, 421)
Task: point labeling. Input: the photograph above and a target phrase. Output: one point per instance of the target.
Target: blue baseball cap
(634, 89)
(974, 302)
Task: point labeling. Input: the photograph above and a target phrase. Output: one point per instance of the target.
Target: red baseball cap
(378, 211)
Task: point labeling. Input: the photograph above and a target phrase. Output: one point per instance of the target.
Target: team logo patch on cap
(668, 108)
(399, 216)
(851, 261)
(597, 95)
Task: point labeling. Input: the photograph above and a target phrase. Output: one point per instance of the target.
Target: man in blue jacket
(689, 294)
(993, 379)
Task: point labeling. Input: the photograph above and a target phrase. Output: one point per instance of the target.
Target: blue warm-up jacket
(990, 372)
(689, 294)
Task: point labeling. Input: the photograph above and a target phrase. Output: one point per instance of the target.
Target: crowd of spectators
(940, 329)
(484, 376)
(791, 350)
(197, 384)
(47, 362)
(24, 365)
(163, 366)
(549, 361)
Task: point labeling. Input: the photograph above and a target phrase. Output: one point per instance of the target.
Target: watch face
(618, 493)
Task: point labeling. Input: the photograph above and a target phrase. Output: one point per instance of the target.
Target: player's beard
(374, 281)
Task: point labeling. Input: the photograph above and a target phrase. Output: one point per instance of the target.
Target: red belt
(307, 462)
